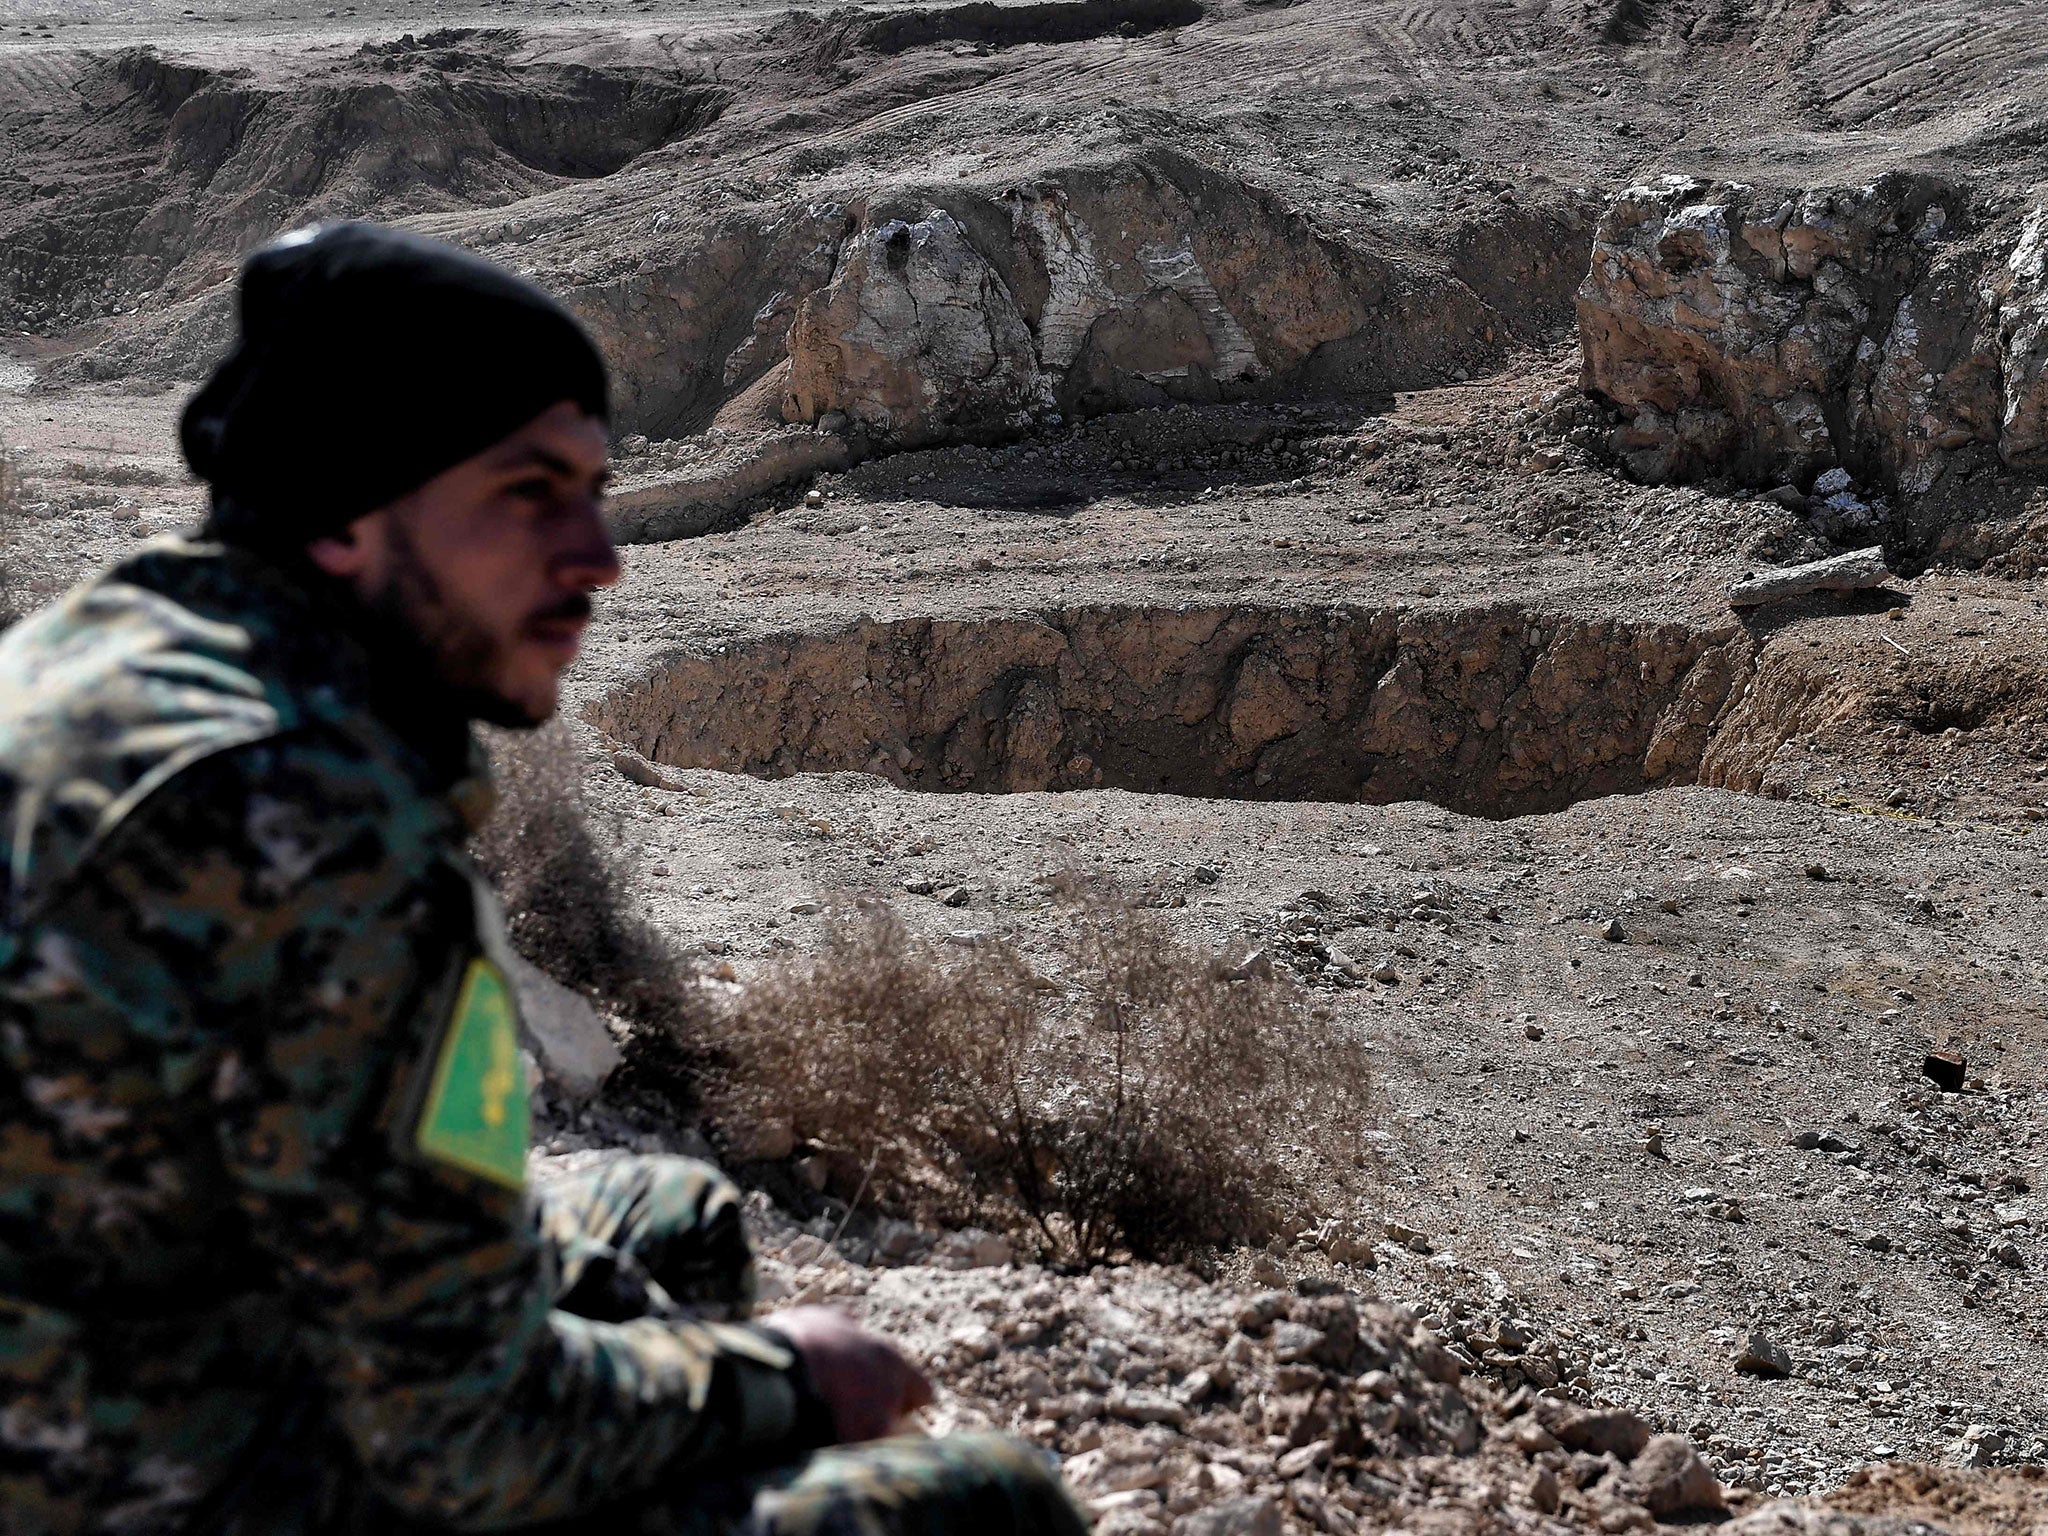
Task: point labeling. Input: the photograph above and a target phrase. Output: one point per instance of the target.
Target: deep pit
(1496, 712)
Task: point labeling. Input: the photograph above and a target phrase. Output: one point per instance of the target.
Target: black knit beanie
(368, 361)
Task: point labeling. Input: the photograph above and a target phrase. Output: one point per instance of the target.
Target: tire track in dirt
(1947, 53)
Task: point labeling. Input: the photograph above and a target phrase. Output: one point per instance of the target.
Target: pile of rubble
(1184, 1408)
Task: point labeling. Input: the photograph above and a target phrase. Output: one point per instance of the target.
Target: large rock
(916, 337)
(1775, 335)
(566, 1035)
(1135, 282)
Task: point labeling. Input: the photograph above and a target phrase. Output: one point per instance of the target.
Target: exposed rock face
(1776, 335)
(916, 337)
(2023, 349)
(1134, 283)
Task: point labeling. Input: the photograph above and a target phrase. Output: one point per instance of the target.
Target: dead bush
(1141, 1103)
(567, 891)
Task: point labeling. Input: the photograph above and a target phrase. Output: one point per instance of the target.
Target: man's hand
(866, 1383)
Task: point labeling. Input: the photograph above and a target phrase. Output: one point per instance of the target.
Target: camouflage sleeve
(284, 919)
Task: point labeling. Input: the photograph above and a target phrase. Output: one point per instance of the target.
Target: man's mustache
(575, 608)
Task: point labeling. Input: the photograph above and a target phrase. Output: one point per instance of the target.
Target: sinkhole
(1494, 711)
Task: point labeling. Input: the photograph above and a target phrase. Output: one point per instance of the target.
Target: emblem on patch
(476, 1116)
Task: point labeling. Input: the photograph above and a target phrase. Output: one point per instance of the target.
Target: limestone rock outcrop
(1774, 336)
(1137, 282)
(2023, 348)
(915, 337)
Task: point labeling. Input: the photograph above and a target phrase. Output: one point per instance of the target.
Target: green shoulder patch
(476, 1114)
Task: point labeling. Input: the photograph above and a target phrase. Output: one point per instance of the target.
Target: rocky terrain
(1287, 462)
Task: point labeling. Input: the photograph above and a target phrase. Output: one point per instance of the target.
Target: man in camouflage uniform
(267, 1258)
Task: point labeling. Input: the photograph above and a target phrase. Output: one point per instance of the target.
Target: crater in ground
(1499, 711)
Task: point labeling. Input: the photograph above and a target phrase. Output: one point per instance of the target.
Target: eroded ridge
(1497, 711)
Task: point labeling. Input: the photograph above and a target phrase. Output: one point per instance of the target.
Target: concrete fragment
(1858, 569)
(567, 1036)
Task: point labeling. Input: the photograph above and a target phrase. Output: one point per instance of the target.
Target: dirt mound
(197, 164)
(1049, 21)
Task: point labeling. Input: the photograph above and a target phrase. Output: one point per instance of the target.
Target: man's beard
(453, 647)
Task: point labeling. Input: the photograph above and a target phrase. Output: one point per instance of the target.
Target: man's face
(491, 563)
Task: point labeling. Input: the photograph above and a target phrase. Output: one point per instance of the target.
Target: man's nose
(588, 558)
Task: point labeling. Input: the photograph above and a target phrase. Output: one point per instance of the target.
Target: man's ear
(355, 553)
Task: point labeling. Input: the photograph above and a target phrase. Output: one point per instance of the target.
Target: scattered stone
(1207, 874)
(1294, 1342)
(976, 1342)
(1669, 1476)
(1256, 1515)
(972, 1248)
(1256, 966)
(955, 896)
(1853, 572)
(919, 885)
(1532, 1031)
(2006, 1252)
(1408, 1237)
(1614, 933)
(1979, 1446)
(1596, 1431)
(1303, 1458)
(1385, 974)
(1762, 1355)
(1145, 1408)
(632, 765)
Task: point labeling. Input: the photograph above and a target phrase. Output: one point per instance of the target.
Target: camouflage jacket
(262, 1121)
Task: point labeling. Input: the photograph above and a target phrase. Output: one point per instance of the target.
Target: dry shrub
(568, 892)
(1145, 1105)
